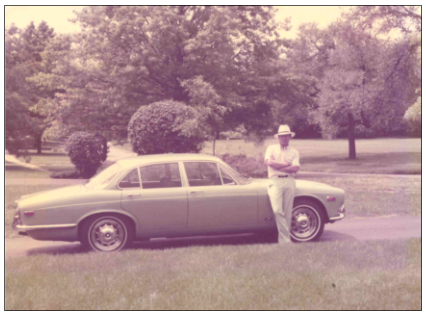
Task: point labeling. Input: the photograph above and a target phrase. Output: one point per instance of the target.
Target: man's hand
(277, 164)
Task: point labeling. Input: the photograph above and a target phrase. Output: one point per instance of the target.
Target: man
(283, 164)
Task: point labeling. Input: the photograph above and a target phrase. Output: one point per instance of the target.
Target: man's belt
(283, 176)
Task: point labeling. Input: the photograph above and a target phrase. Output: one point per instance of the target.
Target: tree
(384, 19)
(204, 98)
(23, 60)
(353, 77)
(127, 57)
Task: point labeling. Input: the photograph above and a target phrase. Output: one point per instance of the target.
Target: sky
(58, 16)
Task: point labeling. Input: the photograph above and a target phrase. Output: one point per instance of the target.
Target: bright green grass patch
(369, 275)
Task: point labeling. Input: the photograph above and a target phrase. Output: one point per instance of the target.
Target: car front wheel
(106, 233)
(307, 223)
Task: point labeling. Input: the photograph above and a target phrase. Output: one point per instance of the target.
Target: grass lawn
(381, 156)
(52, 161)
(369, 196)
(368, 275)
(13, 171)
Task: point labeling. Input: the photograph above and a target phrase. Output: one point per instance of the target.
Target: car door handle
(195, 193)
(134, 195)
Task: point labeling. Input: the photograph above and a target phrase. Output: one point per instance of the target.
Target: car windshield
(103, 178)
(241, 178)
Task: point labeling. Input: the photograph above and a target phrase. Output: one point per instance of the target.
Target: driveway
(346, 230)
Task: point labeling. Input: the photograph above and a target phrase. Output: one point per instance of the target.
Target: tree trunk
(216, 135)
(37, 139)
(351, 136)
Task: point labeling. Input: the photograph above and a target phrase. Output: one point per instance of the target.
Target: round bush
(165, 127)
(87, 152)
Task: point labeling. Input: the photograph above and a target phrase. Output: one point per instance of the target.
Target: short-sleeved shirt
(281, 154)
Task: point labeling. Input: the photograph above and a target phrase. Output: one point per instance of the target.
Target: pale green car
(171, 195)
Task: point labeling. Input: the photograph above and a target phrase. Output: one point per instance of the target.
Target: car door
(156, 196)
(216, 200)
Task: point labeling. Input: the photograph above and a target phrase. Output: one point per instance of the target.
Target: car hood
(300, 184)
(43, 199)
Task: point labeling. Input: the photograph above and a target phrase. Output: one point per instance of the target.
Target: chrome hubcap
(305, 222)
(108, 234)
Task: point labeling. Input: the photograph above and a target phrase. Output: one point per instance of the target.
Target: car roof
(147, 159)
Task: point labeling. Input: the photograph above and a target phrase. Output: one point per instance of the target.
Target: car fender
(315, 197)
(106, 211)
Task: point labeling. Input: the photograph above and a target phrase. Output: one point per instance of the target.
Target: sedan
(171, 195)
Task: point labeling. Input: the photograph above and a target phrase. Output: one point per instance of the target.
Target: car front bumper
(342, 214)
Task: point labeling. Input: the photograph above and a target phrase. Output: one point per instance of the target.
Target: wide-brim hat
(284, 130)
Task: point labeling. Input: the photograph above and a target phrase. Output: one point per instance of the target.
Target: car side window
(131, 180)
(227, 179)
(202, 173)
(161, 176)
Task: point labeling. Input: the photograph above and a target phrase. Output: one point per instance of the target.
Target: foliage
(248, 166)
(165, 127)
(385, 18)
(87, 152)
(354, 77)
(127, 57)
(73, 174)
(24, 49)
(414, 117)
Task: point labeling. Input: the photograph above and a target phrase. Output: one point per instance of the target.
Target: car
(170, 195)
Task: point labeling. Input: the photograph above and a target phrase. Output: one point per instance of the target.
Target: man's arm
(277, 164)
(271, 162)
(288, 169)
(294, 166)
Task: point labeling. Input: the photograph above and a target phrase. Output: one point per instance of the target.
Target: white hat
(283, 130)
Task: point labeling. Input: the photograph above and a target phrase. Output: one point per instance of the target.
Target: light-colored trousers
(281, 193)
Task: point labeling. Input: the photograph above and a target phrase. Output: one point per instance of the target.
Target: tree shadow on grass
(175, 243)
(156, 244)
(167, 243)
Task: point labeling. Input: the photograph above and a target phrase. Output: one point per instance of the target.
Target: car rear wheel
(307, 223)
(106, 233)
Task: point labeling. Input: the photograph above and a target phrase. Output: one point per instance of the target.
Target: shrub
(73, 174)
(165, 127)
(248, 166)
(87, 152)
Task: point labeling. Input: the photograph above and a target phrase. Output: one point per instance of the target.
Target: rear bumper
(39, 227)
(64, 232)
